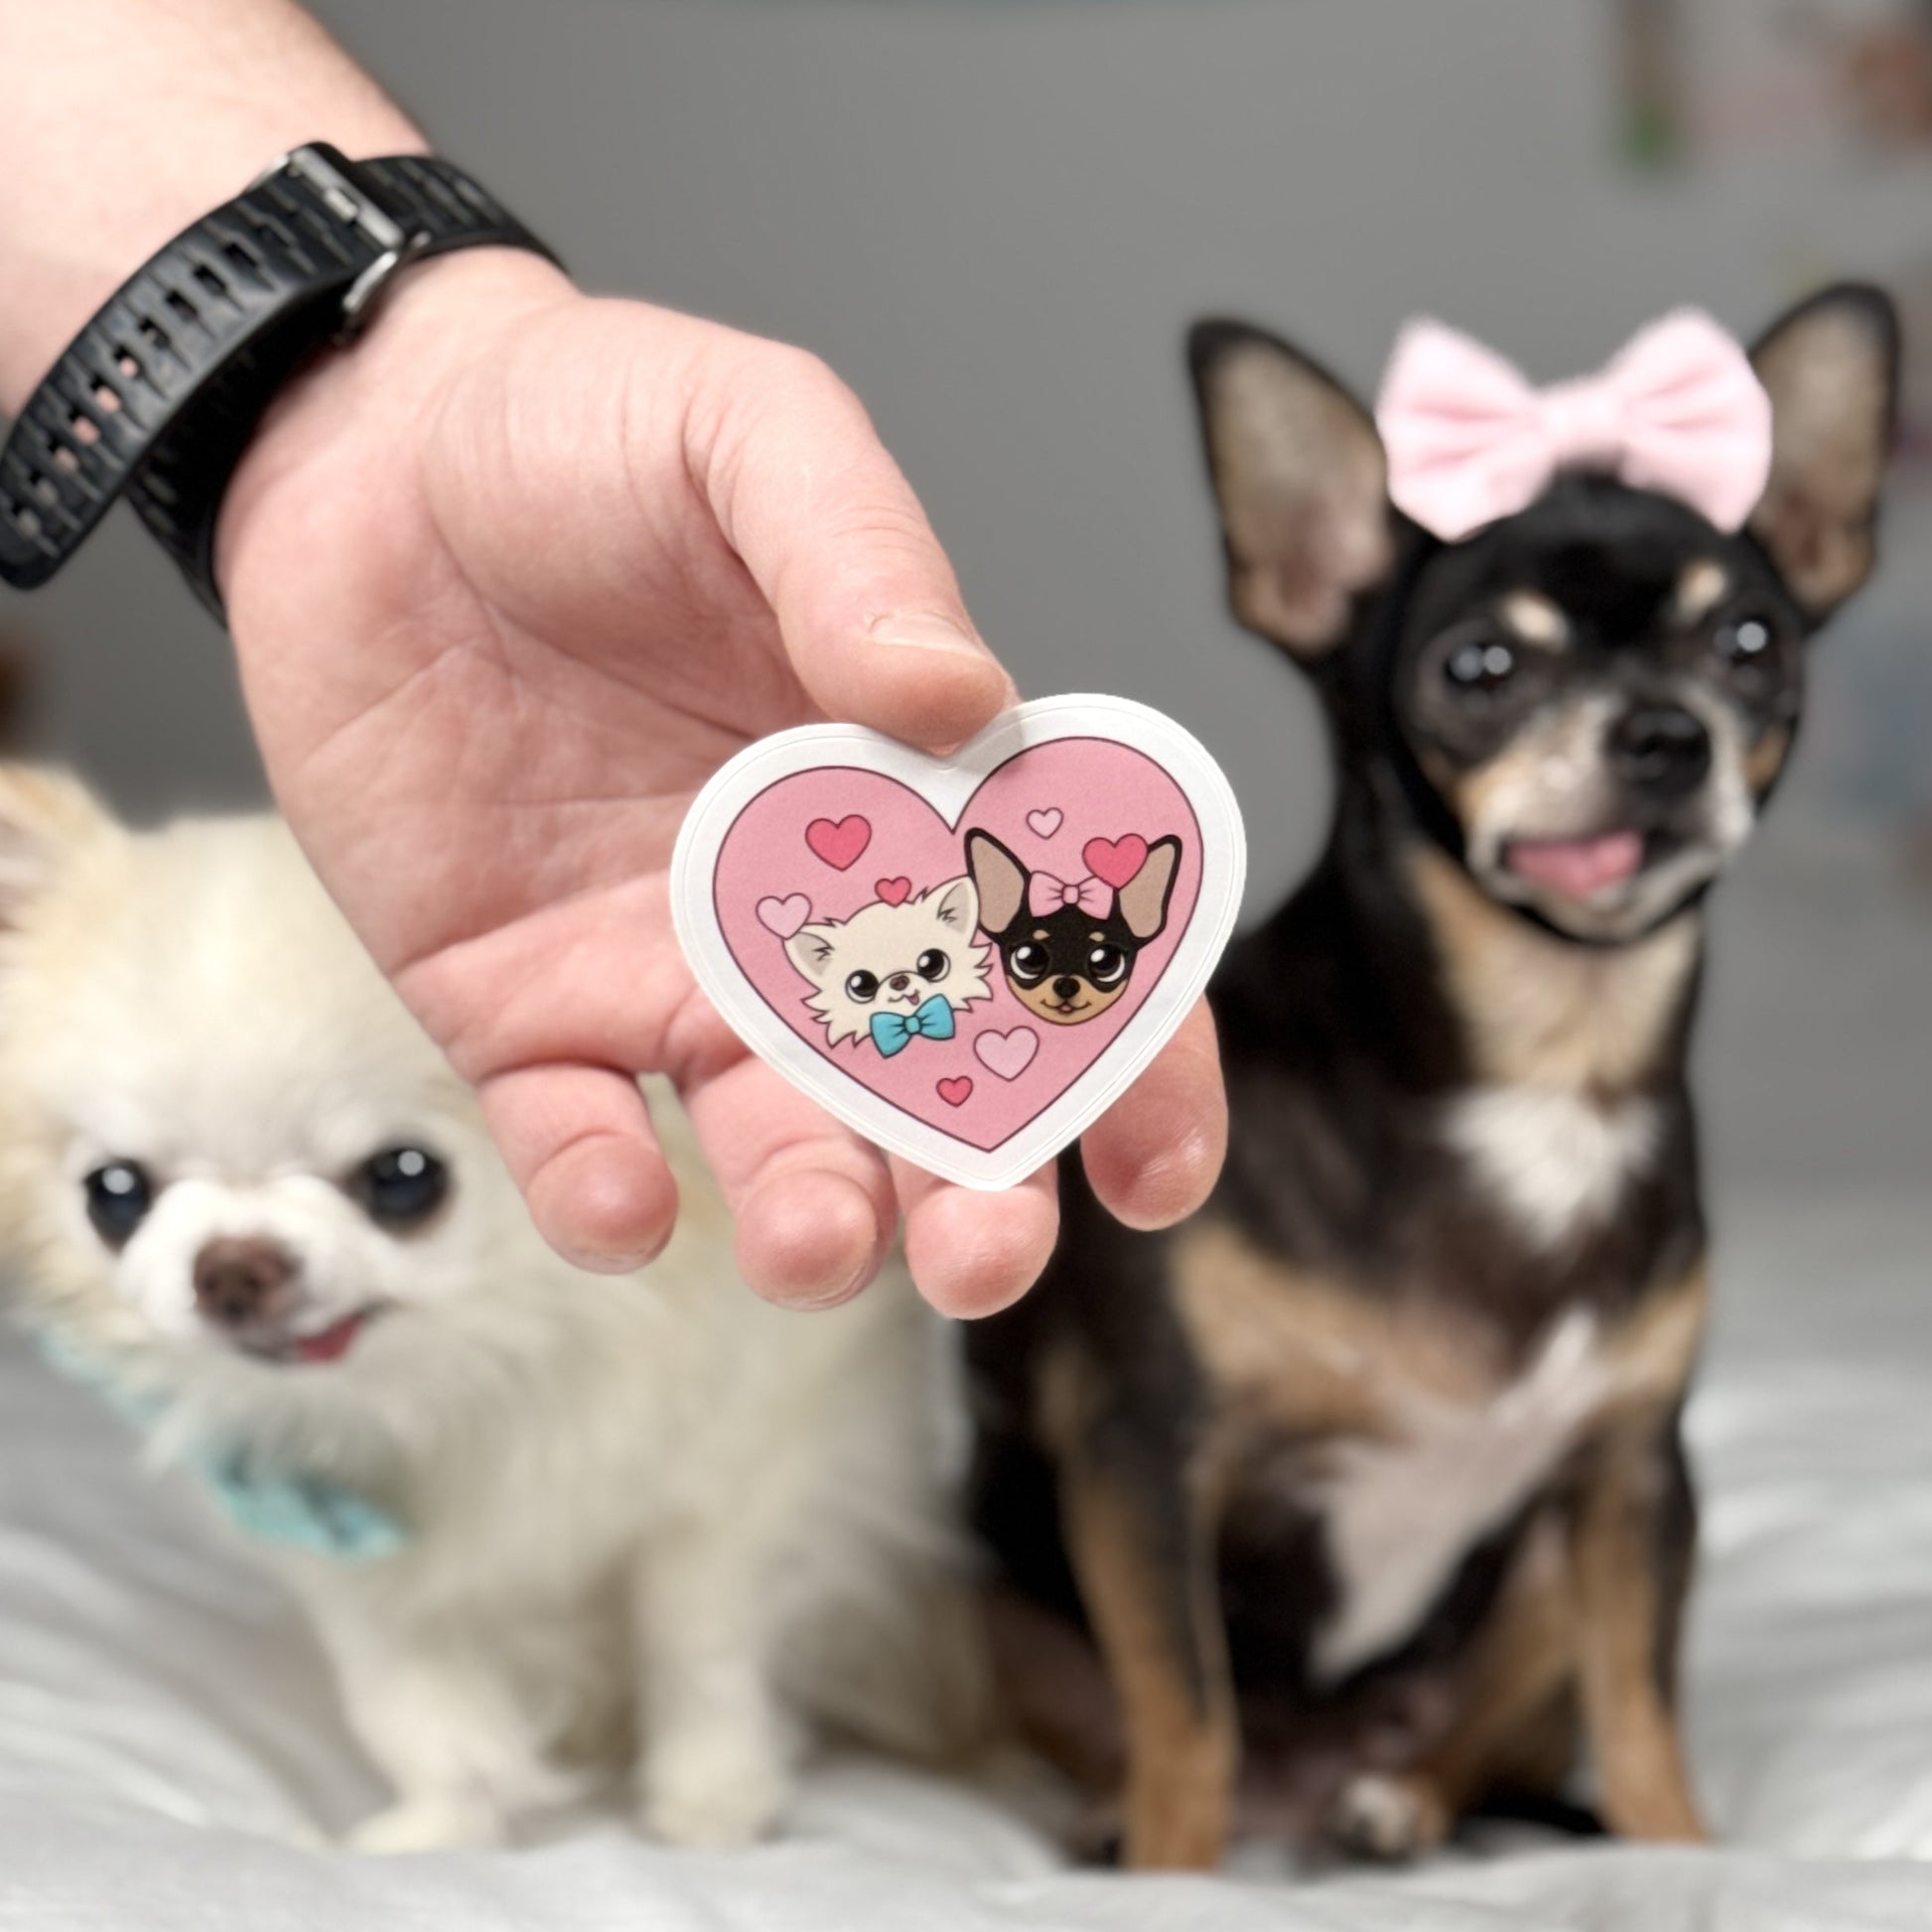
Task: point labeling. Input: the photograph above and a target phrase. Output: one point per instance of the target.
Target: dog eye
(932, 965)
(1029, 964)
(400, 1185)
(119, 1195)
(1106, 965)
(1482, 664)
(861, 987)
(1743, 643)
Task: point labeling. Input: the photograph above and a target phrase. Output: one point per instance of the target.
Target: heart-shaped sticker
(976, 1004)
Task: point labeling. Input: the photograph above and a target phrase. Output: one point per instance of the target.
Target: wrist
(361, 408)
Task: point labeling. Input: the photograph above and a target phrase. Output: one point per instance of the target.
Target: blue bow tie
(892, 1033)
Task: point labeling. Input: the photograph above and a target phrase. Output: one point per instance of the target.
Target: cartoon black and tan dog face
(1587, 702)
(1065, 960)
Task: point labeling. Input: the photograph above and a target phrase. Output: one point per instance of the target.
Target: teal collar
(296, 1512)
(289, 1510)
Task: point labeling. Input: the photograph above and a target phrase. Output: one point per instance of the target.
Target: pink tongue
(1578, 868)
(330, 1343)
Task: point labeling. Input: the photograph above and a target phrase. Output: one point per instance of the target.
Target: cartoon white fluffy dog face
(221, 1136)
(890, 958)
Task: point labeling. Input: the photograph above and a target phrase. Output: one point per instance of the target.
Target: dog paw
(713, 1795)
(436, 1823)
(1098, 1835)
(1388, 1819)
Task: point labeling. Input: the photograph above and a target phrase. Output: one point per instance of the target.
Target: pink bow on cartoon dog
(1679, 410)
(1046, 893)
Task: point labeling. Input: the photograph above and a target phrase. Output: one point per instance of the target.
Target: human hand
(509, 582)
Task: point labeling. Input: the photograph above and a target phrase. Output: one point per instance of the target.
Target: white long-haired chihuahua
(545, 1522)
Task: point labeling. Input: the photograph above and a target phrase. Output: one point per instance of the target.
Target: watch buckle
(360, 303)
(324, 170)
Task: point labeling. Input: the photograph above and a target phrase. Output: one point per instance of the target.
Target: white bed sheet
(169, 1758)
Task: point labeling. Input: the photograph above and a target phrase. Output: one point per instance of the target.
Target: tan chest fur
(1541, 1014)
(1418, 1429)
(1556, 1123)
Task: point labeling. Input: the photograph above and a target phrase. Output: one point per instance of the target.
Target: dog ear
(1142, 900)
(1831, 368)
(810, 949)
(958, 909)
(1302, 482)
(45, 816)
(998, 877)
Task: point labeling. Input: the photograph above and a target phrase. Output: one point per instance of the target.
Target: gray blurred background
(995, 218)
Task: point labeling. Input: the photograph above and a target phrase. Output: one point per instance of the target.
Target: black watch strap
(158, 395)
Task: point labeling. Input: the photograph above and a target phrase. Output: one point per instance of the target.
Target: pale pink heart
(1114, 860)
(784, 915)
(1045, 823)
(1007, 1054)
(838, 842)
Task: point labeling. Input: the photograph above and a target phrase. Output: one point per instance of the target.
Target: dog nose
(1066, 990)
(235, 1279)
(1662, 748)
(900, 981)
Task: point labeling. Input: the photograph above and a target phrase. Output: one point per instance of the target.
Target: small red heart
(839, 844)
(956, 1093)
(1114, 860)
(894, 892)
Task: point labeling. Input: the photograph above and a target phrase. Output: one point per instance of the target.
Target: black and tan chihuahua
(1367, 1483)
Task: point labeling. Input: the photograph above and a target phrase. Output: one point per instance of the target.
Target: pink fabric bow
(1046, 893)
(1678, 409)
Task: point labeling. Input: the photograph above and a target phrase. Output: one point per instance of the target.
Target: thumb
(867, 603)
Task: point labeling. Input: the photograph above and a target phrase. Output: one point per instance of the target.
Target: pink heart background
(1102, 790)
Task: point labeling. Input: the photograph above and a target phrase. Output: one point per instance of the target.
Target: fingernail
(914, 631)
